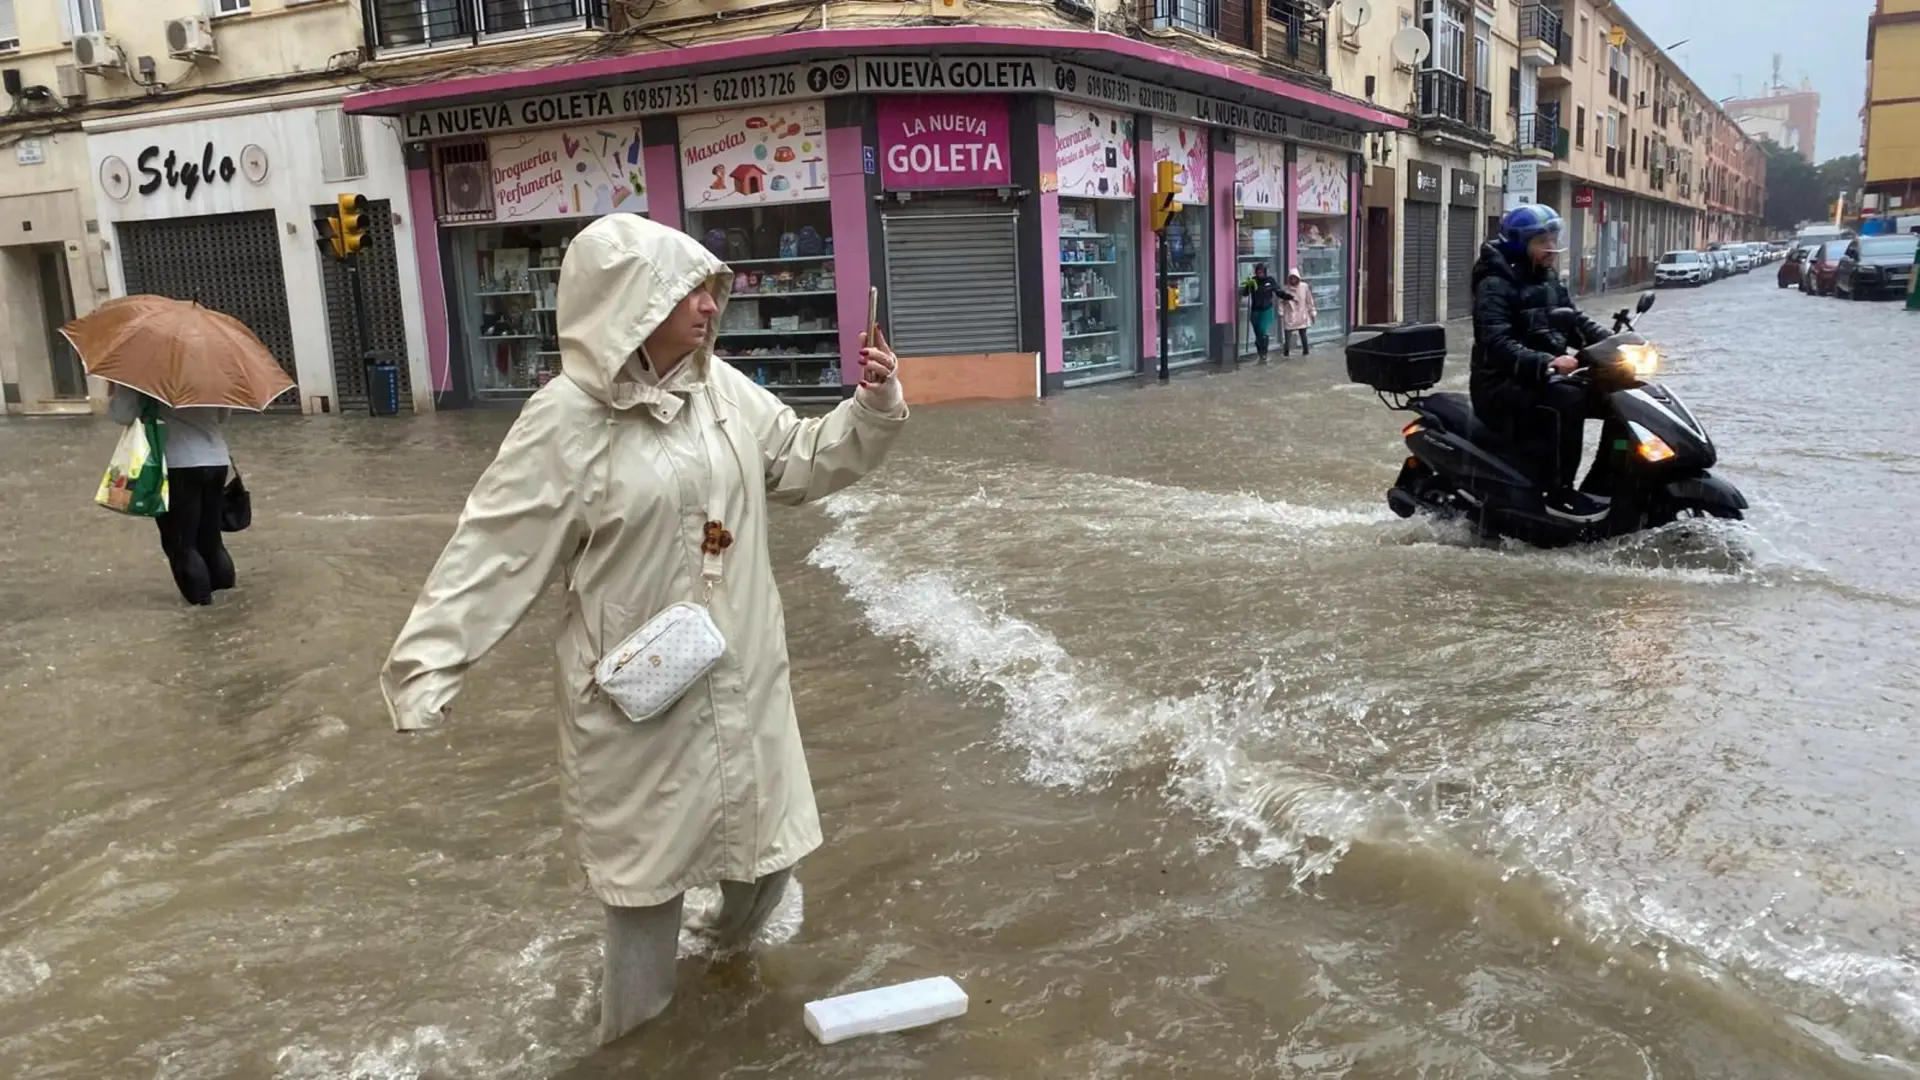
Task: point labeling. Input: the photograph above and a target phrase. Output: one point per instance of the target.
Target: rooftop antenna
(1777, 84)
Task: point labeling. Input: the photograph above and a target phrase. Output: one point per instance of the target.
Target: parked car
(1681, 268)
(1742, 259)
(1875, 266)
(1818, 276)
(1722, 264)
(1790, 267)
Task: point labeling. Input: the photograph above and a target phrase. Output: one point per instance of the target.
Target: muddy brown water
(1133, 710)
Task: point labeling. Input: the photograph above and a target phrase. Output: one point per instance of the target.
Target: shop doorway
(228, 262)
(69, 378)
(1421, 298)
(1463, 247)
(953, 281)
(1379, 240)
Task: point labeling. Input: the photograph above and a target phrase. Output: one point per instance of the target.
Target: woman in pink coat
(1296, 313)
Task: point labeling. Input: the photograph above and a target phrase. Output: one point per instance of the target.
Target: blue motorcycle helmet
(1521, 224)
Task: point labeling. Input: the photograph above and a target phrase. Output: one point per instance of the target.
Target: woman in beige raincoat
(610, 474)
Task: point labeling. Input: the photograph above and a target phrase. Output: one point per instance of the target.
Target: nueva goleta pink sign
(943, 142)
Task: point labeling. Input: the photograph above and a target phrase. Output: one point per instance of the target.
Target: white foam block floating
(886, 1009)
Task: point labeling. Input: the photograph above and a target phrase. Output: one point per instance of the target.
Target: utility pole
(1166, 203)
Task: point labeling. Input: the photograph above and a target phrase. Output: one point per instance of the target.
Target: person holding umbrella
(191, 367)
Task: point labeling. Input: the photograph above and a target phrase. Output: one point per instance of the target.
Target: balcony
(1540, 31)
(1296, 36)
(399, 25)
(1541, 137)
(1560, 72)
(1447, 105)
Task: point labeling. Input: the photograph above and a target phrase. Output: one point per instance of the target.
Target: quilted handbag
(656, 665)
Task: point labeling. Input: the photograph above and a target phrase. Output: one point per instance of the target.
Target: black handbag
(236, 505)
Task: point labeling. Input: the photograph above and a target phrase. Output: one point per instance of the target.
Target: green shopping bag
(136, 479)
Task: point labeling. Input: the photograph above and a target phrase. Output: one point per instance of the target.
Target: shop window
(510, 284)
(1099, 302)
(1322, 190)
(781, 325)
(1259, 240)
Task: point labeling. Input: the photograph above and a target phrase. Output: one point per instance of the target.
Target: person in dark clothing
(197, 462)
(1519, 351)
(1260, 288)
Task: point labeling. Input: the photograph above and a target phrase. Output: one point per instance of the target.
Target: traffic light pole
(362, 329)
(1160, 262)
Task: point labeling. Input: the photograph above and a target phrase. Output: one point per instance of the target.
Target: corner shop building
(991, 183)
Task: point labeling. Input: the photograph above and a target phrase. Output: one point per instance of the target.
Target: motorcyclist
(1519, 352)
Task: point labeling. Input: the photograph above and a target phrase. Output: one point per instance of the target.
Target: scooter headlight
(1653, 449)
(1643, 360)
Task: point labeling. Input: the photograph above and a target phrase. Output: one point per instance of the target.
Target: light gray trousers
(643, 949)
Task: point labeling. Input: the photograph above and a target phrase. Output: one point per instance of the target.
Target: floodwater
(1133, 710)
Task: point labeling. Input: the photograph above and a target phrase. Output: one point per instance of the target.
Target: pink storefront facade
(991, 183)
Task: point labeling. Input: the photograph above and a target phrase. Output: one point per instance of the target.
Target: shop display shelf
(508, 292)
(815, 357)
(1087, 299)
(510, 337)
(1086, 236)
(1088, 262)
(787, 261)
(1176, 354)
(780, 295)
(1089, 334)
(777, 333)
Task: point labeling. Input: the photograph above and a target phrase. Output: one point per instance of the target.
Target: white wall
(287, 130)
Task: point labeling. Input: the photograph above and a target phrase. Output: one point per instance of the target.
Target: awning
(1101, 69)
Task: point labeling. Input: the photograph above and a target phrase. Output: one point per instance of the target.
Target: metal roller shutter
(1463, 247)
(1421, 276)
(953, 282)
(228, 262)
(380, 284)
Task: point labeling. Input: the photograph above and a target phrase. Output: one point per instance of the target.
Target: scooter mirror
(1646, 302)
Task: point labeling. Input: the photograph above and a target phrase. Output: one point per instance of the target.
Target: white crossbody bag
(656, 665)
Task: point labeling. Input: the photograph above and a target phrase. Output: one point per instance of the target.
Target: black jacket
(1261, 289)
(1513, 339)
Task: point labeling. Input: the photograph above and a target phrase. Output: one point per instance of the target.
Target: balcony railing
(1200, 17)
(1539, 132)
(421, 24)
(1296, 36)
(1538, 21)
(1444, 99)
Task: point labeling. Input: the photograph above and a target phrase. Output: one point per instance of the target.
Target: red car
(1793, 264)
(1821, 269)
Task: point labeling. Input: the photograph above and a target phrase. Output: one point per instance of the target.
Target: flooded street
(1133, 710)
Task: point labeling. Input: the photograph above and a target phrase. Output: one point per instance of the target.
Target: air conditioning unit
(97, 54)
(71, 85)
(191, 38)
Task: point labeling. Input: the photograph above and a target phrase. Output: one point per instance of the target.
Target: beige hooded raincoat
(607, 475)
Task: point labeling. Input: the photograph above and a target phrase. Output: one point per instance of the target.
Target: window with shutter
(9, 36)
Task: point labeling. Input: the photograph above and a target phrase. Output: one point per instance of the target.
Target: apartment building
(988, 165)
(1892, 136)
(1429, 194)
(183, 147)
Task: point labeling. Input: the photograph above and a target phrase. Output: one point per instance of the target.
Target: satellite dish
(1355, 13)
(1411, 46)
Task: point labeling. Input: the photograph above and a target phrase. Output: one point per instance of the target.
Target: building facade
(988, 171)
(1789, 117)
(182, 148)
(1892, 136)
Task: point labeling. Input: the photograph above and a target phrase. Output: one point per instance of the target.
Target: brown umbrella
(178, 353)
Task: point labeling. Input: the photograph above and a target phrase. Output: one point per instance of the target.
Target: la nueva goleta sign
(867, 75)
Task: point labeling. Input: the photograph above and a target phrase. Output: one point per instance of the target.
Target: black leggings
(1286, 341)
(1572, 404)
(190, 532)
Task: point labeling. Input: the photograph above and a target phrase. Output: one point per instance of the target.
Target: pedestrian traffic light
(1166, 193)
(352, 231)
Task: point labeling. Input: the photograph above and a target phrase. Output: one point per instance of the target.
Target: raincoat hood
(621, 278)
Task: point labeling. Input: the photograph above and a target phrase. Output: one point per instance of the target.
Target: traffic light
(326, 233)
(350, 231)
(1166, 193)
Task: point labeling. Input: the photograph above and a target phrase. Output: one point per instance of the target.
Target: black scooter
(1460, 468)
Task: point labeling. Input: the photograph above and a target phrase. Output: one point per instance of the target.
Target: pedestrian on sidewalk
(197, 461)
(1297, 312)
(1261, 289)
(643, 476)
